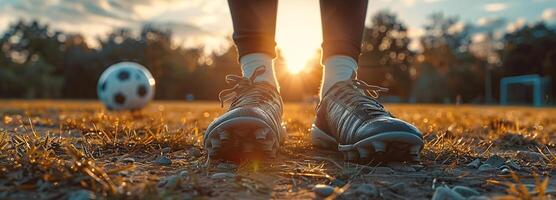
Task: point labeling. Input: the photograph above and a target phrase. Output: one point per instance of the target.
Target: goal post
(535, 81)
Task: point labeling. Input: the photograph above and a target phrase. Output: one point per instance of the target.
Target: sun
(295, 64)
(298, 32)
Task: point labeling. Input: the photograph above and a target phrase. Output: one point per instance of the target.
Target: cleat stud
(273, 153)
(224, 135)
(261, 134)
(347, 147)
(268, 147)
(213, 152)
(415, 149)
(351, 156)
(215, 143)
(364, 152)
(378, 146)
(208, 145)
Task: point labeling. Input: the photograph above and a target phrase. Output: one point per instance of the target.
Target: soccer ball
(125, 86)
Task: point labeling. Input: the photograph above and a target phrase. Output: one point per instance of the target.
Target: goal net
(524, 90)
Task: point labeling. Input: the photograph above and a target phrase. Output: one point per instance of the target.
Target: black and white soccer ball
(125, 86)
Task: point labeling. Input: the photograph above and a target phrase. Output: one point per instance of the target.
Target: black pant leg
(343, 22)
(254, 24)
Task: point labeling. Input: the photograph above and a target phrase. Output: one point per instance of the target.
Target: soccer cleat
(252, 127)
(350, 120)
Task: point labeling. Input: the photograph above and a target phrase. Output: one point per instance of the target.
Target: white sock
(250, 62)
(337, 68)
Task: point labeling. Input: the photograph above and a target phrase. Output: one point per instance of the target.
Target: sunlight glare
(298, 32)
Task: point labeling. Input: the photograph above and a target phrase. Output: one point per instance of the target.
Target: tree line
(452, 65)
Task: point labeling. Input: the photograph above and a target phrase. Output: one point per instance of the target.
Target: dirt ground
(78, 150)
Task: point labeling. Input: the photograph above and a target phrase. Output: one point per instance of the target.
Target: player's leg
(254, 25)
(349, 118)
(342, 25)
(252, 126)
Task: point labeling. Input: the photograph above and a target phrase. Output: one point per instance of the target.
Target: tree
(445, 49)
(527, 49)
(31, 58)
(81, 68)
(386, 45)
(37, 62)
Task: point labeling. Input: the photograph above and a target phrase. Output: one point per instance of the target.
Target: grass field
(76, 149)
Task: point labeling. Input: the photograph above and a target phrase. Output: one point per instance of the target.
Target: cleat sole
(243, 138)
(387, 146)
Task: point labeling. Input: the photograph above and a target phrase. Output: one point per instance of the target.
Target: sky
(207, 23)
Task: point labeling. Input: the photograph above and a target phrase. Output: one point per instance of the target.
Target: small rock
(529, 156)
(382, 170)
(474, 164)
(510, 140)
(170, 182)
(163, 160)
(505, 171)
(224, 175)
(513, 165)
(418, 167)
(503, 167)
(226, 166)
(323, 190)
(445, 193)
(337, 183)
(194, 152)
(398, 187)
(465, 191)
(367, 190)
(478, 198)
(401, 167)
(495, 161)
(81, 195)
(486, 168)
(184, 173)
(128, 160)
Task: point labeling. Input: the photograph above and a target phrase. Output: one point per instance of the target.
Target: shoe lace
(369, 101)
(241, 85)
(371, 90)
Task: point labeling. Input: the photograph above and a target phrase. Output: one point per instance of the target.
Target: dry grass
(52, 149)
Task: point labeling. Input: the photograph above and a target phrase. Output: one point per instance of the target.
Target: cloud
(409, 2)
(490, 24)
(491, 21)
(432, 1)
(549, 14)
(456, 28)
(520, 22)
(191, 21)
(495, 7)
